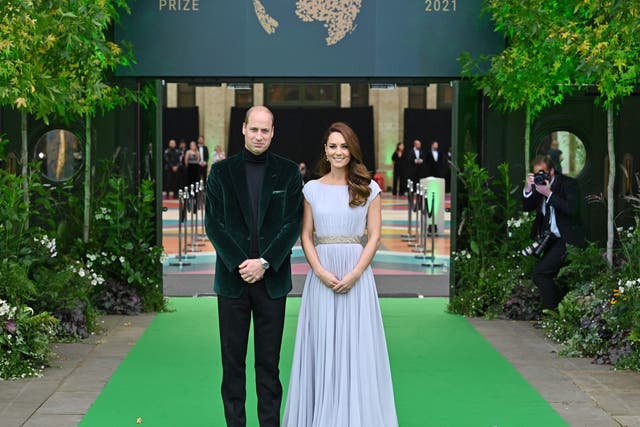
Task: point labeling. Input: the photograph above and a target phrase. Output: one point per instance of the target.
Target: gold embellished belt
(338, 239)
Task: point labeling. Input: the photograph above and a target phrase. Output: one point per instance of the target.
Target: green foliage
(15, 285)
(600, 316)
(607, 44)
(564, 323)
(32, 271)
(66, 292)
(508, 197)
(119, 248)
(13, 215)
(629, 249)
(533, 70)
(586, 266)
(24, 341)
(56, 57)
(479, 222)
(488, 266)
(625, 308)
(483, 291)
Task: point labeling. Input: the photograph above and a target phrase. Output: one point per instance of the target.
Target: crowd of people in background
(415, 164)
(184, 165)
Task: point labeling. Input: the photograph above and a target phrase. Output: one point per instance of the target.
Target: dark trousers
(234, 315)
(399, 184)
(545, 272)
(203, 173)
(172, 182)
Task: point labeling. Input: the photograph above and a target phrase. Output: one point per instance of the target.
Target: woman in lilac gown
(340, 374)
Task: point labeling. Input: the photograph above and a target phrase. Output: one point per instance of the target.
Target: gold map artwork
(338, 16)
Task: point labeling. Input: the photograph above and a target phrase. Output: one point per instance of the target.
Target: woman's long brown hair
(358, 177)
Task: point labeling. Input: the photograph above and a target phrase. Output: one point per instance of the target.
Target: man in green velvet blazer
(253, 218)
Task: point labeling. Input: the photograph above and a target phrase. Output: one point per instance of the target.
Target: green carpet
(444, 372)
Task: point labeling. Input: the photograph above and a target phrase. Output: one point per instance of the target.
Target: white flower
(4, 308)
(81, 272)
(121, 259)
(619, 229)
(468, 256)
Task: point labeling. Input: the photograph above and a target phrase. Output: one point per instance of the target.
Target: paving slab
(53, 421)
(628, 421)
(77, 375)
(584, 394)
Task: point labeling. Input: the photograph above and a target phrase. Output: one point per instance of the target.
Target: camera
(538, 247)
(540, 177)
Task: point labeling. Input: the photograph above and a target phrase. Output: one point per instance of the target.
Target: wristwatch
(265, 263)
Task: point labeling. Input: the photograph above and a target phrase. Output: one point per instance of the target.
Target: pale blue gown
(340, 375)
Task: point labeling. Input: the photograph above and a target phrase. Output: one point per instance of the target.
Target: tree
(90, 58)
(608, 47)
(56, 58)
(557, 46)
(28, 35)
(530, 73)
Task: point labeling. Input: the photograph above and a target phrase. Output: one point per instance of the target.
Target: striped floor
(394, 257)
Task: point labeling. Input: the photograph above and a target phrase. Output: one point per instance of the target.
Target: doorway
(385, 120)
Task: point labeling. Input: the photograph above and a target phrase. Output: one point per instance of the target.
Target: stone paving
(584, 394)
(62, 396)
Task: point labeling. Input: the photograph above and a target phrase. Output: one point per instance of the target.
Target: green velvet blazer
(228, 222)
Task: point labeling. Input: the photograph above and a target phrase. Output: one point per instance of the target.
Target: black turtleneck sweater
(255, 167)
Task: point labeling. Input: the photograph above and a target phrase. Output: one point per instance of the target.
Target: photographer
(554, 197)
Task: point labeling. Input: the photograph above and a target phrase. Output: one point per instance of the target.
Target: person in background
(204, 158)
(218, 154)
(183, 180)
(556, 155)
(399, 180)
(172, 158)
(415, 163)
(192, 163)
(436, 162)
(306, 176)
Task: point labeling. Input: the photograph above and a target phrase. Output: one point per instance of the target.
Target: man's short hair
(543, 159)
(250, 110)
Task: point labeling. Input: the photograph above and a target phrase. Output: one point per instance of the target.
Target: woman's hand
(328, 278)
(347, 282)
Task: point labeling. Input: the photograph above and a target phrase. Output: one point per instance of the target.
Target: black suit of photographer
(558, 213)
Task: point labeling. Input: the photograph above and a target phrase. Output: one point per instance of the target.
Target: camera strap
(546, 216)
